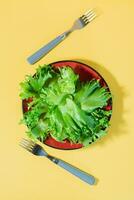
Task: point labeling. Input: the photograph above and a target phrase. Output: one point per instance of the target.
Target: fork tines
(27, 144)
(88, 16)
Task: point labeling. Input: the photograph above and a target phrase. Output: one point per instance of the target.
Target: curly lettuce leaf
(85, 90)
(32, 85)
(97, 99)
(60, 87)
(92, 96)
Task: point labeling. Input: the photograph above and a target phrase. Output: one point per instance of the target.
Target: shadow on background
(117, 122)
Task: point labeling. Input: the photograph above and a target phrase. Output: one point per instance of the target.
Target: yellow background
(106, 44)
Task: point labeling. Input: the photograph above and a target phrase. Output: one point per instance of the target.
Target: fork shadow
(117, 122)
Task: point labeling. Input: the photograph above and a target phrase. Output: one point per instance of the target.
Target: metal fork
(80, 23)
(37, 150)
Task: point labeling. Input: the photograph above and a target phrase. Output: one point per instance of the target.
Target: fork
(37, 150)
(80, 23)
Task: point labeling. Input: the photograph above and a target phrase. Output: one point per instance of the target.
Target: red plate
(86, 73)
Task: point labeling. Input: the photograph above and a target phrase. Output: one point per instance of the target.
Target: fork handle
(48, 47)
(73, 170)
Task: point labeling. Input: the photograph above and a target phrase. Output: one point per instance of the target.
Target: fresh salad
(63, 107)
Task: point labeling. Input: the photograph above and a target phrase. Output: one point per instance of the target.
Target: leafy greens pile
(64, 107)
